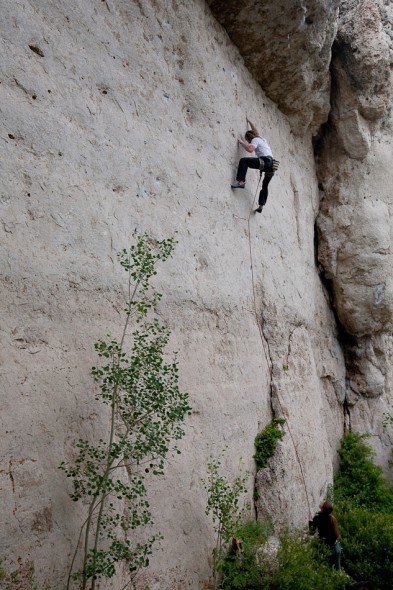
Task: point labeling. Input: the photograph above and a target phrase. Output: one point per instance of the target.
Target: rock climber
(327, 527)
(263, 161)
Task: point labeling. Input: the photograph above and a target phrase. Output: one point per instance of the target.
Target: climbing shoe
(238, 184)
(259, 210)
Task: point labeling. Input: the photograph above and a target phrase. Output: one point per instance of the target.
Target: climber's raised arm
(253, 128)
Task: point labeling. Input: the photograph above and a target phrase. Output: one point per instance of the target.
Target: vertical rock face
(122, 117)
(355, 245)
(287, 47)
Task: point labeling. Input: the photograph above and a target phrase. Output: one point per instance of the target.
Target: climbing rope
(264, 345)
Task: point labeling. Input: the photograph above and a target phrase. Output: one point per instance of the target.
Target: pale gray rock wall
(121, 117)
(355, 221)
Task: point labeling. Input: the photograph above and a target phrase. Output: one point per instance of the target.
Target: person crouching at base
(328, 531)
(263, 161)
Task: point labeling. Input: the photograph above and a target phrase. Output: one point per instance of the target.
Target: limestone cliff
(287, 48)
(354, 223)
(120, 116)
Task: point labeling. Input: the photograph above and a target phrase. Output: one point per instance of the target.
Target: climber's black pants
(246, 163)
(263, 193)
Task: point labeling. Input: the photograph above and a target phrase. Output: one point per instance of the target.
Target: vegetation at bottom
(242, 558)
(300, 562)
(364, 509)
(225, 507)
(243, 571)
(359, 479)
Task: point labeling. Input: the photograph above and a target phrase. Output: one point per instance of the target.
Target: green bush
(242, 572)
(223, 500)
(303, 564)
(367, 540)
(224, 504)
(364, 509)
(266, 442)
(359, 479)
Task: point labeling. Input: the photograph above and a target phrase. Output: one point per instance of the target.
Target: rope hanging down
(268, 360)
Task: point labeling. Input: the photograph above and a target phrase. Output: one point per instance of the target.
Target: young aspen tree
(146, 414)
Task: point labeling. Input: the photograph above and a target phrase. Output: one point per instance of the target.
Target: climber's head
(326, 507)
(249, 135)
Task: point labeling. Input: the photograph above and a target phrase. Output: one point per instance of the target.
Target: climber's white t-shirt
(262, 147)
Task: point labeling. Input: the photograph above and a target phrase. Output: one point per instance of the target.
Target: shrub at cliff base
(367, 540)
(364, 508)
(243, 571)
(304, 564)
(359, 479)
(300, 563)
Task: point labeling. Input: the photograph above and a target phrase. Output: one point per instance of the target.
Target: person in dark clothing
(328, 531)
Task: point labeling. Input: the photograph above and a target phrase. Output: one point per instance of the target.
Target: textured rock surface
(287, 48)
(120, 117)
(355, 244)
